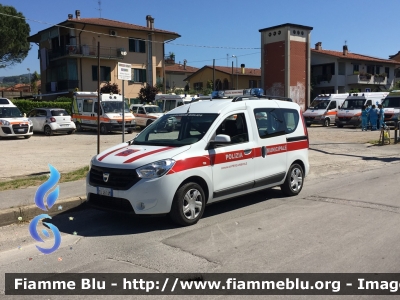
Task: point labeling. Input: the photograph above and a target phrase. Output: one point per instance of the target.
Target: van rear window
(276, 121)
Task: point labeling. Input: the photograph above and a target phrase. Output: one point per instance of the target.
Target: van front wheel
(294, 181)
(103, 129)
(188, 204)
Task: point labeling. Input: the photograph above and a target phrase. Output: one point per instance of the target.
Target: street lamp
(236, 71)
(29, 70)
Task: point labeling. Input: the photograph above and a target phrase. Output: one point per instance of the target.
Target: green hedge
(26, 106)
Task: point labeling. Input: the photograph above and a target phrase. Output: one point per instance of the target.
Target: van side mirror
(220, 139)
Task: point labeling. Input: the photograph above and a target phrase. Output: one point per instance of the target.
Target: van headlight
(155, 169)
(4, 122)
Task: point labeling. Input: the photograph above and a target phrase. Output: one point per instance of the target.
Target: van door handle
(263, 151)
(247, 151)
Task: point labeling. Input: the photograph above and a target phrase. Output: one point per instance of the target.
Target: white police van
(221, 149)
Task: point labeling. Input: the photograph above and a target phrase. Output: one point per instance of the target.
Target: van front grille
(117, 179)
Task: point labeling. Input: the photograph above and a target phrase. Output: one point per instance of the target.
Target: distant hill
(12, 80)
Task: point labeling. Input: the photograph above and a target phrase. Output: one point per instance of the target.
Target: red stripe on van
(298, 145)
(146, 154)
(190, 163)
(107, 154)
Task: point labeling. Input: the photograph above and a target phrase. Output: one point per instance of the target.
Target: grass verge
(38, 180)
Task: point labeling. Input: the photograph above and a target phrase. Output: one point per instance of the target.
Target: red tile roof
(179, 68)
(247, 71)
(354, 56)
(116, 24)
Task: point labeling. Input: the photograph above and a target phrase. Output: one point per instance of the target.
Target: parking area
(332, 149)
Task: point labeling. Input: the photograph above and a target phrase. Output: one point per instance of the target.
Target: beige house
(175, 75)
(68, 54)
(226, 78)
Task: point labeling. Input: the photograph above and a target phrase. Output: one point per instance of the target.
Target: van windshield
(353, 104)
(114, 107)
(176, 130)
(391, 102)
(319, 104)
(10, 112)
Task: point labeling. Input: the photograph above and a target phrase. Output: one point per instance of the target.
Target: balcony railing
(86, 51)
(366, 79)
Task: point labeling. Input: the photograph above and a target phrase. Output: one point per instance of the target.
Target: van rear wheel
(294, 181)
(188, 204)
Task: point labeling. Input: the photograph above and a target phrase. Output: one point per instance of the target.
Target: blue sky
(218, 29)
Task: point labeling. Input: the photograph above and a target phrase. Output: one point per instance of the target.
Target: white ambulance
(222, 149)
(12, 121)
(350, 112)
(85, 109)
(323, 109)
(391, 108)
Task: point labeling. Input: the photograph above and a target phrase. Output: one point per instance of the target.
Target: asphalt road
(344, 220)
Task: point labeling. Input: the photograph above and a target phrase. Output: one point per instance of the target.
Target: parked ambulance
(85, 108)
(324, 108)
(350, 112)
(12, 121)
(222, 149)
(391, 108)
(167, 102)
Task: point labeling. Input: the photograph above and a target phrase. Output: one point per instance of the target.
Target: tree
(148, 93)
(109, 88)
(14, 33)
(34, 78)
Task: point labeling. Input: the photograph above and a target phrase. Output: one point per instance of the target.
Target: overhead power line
(122, 37)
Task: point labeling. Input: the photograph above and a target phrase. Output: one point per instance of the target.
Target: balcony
(86, 51)
(366, 79)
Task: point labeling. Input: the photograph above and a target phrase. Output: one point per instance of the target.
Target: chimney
(150, 22)
(184, 64)
(318, 46)
(345, 50)
(70, 16)
(78, 14)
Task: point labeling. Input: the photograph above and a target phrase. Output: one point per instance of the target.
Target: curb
(10, 215)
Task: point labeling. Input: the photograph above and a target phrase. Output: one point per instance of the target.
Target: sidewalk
(21, 203)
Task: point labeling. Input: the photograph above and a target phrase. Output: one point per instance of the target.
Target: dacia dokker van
(221, 149)
(12, 121)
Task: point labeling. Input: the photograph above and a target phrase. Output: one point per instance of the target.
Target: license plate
(104, 191)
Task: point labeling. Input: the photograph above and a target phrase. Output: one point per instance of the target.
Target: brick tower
(285, 62)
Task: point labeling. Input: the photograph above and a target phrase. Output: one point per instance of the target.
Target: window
(270, 122)
(234, 126)
(387, 71)
(198, 85)
(252, 83)
(105, 73)
(87, 105)
(136, 45)
(341, 68)
(138, 75)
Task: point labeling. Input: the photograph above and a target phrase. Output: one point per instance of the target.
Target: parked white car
(50, 120)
